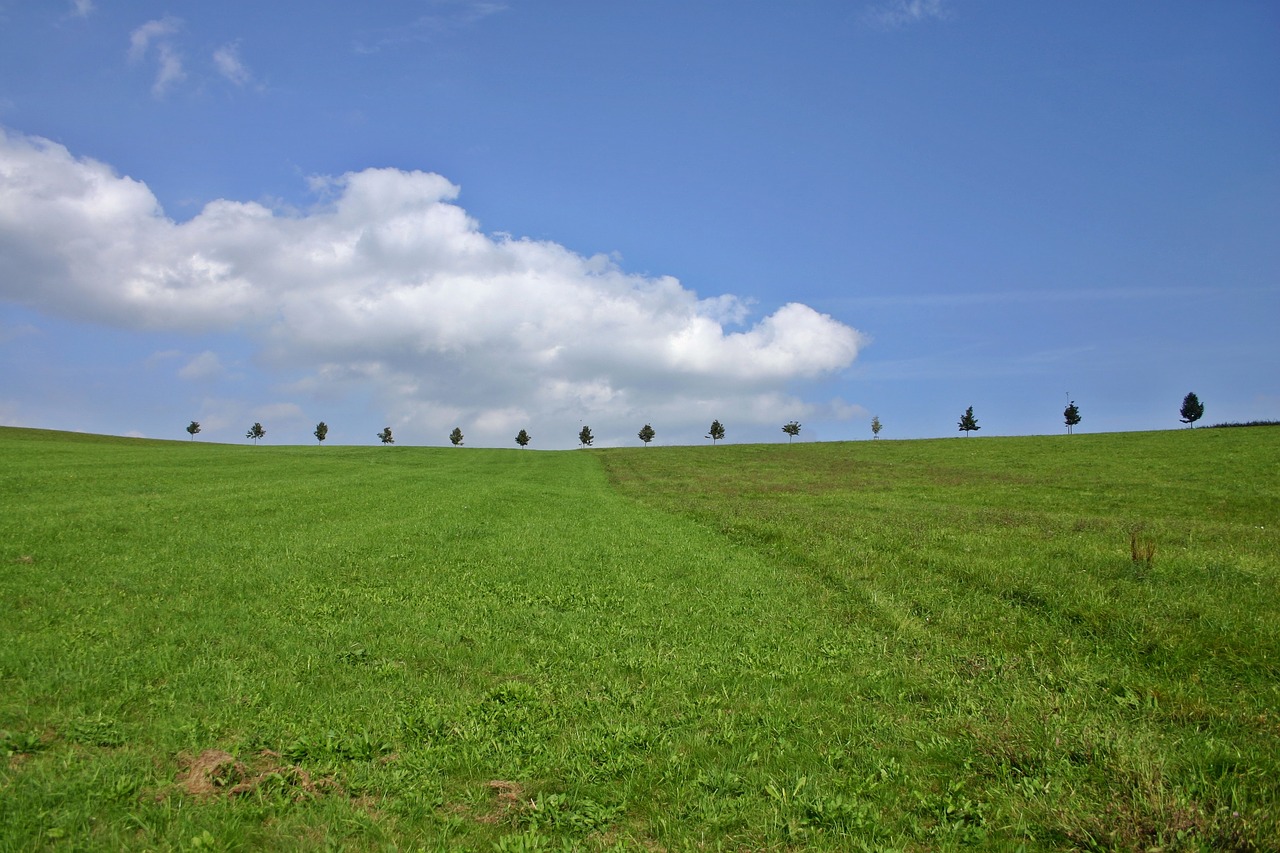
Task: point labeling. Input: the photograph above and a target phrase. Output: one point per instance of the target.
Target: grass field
(1036, 643)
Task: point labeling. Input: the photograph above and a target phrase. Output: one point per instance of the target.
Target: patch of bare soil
(507, 797)
(214, 773)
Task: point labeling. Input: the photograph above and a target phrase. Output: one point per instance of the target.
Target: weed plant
(889, 645)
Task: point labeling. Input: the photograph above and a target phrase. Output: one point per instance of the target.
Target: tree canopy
(716, 432)
(255, 432)
(1192, 409)
(792, 429)
(1071, 414)
(875, 426)
(646, 434)
(385, 436)
(968, 423)
(456, 436)
(321, 432)
(585, 437)
(522, 438)
(193, 428)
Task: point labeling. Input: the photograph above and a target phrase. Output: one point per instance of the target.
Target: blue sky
(506, 215)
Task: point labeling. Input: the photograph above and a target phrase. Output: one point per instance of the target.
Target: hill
(1065, 642)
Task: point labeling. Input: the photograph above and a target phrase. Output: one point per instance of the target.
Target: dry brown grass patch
(215, 773)
(507, 798)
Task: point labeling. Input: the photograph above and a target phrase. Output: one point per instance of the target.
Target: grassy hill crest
(1056, 642)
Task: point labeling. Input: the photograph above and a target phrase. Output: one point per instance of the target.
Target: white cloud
(142, 37)
(82, 8)
(227, 60)
(276, 412)
(902, 13)
(443, 18)
(169, 70)
(390, 288)
(203, 367)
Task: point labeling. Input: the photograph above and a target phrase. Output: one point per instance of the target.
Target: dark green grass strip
(1081, 697)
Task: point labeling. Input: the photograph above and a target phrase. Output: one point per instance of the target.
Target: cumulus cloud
(390, 288)
(157, 34)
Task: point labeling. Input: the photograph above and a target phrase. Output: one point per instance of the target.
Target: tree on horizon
(716, 433)
(792, 430)
(1072, 416)
(875, 426)
(522, 438)
(255, 432)
(322, 432)
(385, 436)
(585, 437)
(646, 434)
(193, 428)
(456, 436)
(968, 423)
(1192, 410)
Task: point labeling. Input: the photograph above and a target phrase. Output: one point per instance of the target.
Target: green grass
(883, 645)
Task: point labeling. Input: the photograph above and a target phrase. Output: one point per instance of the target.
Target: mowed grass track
(915, 645)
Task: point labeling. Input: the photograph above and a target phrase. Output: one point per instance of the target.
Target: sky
(515, 214)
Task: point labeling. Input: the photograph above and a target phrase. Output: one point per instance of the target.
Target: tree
(456, 436)
(646, 434)
(585, 437)
(717, 432)
(255, 432)
(1192, 410)
(792, 430)
(522, 438)
(322, 432)
(385, 435)
(968, 423)
(875, 426)
(193, 428)
(1072, 416)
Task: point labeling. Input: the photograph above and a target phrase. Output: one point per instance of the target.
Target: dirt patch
(214, 773)
(25, 559)
(507, 798)
(211, 772)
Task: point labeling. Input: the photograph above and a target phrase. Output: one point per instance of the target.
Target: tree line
(1190, 412)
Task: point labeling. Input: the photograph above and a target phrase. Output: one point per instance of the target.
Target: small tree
(322, 432)
(1071, 414)
(1192, 410)
(385, 436)
(585, 437)
(792, 430)
(875, 426)
(522, 438)
(193, 428)
(717, 431)
(646, 434)
(968, 423)
(255, 432)
(456, 436)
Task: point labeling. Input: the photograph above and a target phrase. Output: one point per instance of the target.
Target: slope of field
(1051, 642)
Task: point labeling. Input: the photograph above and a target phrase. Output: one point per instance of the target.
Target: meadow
(1044, 643)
